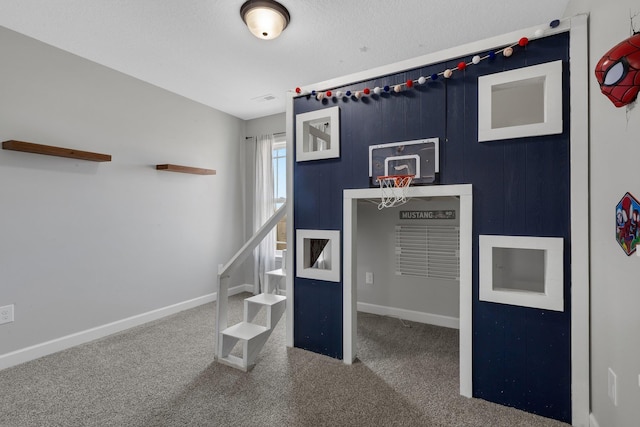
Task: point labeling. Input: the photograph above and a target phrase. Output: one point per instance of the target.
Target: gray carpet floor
(163, 374)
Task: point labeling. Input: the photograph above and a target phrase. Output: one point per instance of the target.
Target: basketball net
(394, 190)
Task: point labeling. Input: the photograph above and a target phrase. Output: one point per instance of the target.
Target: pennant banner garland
(448, 73)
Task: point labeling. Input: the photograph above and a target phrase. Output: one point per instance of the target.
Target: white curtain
(264, 208)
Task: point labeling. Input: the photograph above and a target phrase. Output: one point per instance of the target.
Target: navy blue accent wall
(521, 356)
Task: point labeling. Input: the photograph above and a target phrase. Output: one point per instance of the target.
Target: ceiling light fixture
(266, 19)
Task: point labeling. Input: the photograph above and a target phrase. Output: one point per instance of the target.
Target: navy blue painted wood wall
(521, 356)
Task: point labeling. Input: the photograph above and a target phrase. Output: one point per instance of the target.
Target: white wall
(615, 277)
(83, 244)
(376, 254)
(266, 125)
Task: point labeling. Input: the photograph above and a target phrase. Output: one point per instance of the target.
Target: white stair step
(245, 331)
(279, 272)
(266, 299)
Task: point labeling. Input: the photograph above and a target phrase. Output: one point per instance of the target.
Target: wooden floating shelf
(29, 147)
(185, 169)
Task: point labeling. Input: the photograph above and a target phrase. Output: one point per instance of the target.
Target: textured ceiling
(201, 49)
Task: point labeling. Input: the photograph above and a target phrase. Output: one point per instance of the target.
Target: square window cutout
(318, 254)
(318, 134)
(522, 270)
(520, 103)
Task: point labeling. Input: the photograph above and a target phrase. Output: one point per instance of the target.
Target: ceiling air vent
(263, 98)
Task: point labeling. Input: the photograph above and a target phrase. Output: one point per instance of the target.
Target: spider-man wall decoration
(618, 71)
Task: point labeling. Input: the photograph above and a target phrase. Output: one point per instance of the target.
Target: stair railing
(224, 272)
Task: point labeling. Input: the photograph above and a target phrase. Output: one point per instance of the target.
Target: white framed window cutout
(522, 270)
(318, 134)
(318, 254)
(520, 103)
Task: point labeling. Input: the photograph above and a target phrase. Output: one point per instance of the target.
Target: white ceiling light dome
(266, 19)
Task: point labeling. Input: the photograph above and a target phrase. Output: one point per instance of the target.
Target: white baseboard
(413, 316)
(592, 421)
(43, 349)
(241, 288)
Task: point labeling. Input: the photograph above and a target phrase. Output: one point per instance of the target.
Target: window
(318, 254)
(280, 188)
(318, 135)
(522, 102)
(522, 270)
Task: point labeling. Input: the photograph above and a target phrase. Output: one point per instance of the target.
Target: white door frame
(349, 280)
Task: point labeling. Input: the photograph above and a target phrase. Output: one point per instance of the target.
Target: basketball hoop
(394, 190)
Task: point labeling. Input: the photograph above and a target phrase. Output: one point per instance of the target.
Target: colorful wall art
(627, 219)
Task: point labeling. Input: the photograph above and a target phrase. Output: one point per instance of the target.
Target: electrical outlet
(612, 387)
(6, 314)
(368, 278)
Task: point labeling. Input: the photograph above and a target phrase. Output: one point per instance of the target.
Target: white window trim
(552, 298)
(551, 72)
